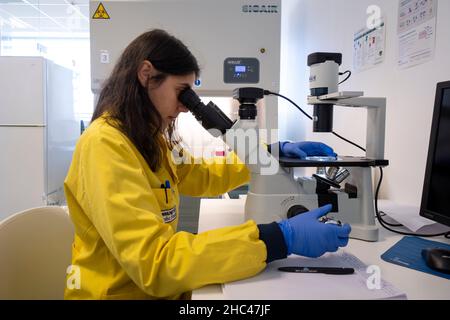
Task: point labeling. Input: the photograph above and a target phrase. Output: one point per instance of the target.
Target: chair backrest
(35, 251)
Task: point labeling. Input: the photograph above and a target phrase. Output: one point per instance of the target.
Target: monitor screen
(436, 195)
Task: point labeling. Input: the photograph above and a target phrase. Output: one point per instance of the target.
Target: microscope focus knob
(296, 210)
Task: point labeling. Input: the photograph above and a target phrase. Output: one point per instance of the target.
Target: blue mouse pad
(408, 253)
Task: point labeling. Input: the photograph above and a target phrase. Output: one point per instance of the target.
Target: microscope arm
(376, 118)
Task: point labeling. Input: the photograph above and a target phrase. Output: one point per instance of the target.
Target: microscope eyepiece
(210, 116)
(190, 100)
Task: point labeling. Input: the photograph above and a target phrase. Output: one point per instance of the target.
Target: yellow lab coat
(126, 245)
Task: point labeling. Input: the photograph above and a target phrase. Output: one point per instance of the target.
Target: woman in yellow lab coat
(123, 192)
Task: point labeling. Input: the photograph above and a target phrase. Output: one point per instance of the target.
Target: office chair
(35, 251)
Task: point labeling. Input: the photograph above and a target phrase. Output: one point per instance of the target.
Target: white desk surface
(216, 213)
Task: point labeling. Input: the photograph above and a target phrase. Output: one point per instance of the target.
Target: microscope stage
(328, 162)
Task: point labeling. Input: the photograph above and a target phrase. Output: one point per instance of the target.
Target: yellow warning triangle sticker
(100, 13)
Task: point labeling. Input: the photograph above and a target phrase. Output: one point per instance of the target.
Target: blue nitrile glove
(305, 149)
(306, 236)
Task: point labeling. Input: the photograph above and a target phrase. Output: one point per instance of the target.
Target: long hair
(125, 102)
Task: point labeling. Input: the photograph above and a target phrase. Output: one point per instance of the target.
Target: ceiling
(48, 17)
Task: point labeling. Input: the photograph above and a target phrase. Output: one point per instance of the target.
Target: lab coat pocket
(167, 204)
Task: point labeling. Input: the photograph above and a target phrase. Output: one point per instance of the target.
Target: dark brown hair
(125, 102)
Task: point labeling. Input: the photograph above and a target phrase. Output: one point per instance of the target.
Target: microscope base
(364, 232)
(267, 208)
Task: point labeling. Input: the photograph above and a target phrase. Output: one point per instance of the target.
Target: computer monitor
(436, 188)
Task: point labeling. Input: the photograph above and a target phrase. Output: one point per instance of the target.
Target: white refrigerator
(38, 132)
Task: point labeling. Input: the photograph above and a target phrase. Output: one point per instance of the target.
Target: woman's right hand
(305, 235)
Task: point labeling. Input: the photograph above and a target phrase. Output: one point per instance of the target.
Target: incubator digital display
(241, 70)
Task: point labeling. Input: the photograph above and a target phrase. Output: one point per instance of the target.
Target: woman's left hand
(304, 149)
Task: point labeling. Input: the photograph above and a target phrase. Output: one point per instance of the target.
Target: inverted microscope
(274, 191)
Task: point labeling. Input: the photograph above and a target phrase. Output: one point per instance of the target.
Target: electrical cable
(382, 214)
(348, 77)
(267, 92)
(385, 224)
(346, 140)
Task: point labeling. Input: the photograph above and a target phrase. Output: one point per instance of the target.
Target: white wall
(293, 79)
(329, 25)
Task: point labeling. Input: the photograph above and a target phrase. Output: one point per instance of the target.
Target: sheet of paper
(273, 284)
(368, 47)
(416, 31)
(409, 216)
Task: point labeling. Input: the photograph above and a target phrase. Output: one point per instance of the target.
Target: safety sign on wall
(100, 13)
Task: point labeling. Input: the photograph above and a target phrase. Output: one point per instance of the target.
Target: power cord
(385, 224)
(378, 214)
(348, 77)
(348, 141)
(267, 92)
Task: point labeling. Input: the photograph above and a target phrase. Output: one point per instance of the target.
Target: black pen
(165, 191)
(326, 270)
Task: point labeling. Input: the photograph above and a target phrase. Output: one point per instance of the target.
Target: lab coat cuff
(272, 146)
(273, 238)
